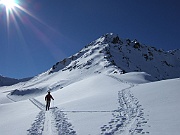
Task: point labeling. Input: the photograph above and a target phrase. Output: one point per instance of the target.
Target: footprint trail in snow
(130, 117)
(52, 122)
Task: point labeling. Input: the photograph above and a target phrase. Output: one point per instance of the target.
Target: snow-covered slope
(99, 104)
(161, 105)
(109, 87)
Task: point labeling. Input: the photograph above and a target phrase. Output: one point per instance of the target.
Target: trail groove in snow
(38, 104)
(130, 119)
(49, 125)
(52, 122)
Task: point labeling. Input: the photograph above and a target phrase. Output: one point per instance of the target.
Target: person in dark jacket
(48, 98)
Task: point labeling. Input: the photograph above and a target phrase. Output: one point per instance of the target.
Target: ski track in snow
(130, 117)
(52, 122)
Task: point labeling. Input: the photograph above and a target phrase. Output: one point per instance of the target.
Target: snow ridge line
(130, 119)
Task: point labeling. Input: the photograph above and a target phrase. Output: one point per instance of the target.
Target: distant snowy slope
(6, 81)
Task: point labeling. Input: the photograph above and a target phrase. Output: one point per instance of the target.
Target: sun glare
(9, 4)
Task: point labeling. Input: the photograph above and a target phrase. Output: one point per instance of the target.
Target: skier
(48, 98)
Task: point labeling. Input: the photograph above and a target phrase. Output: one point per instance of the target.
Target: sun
(9, 4)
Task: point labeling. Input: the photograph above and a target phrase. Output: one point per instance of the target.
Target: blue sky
(44, 32)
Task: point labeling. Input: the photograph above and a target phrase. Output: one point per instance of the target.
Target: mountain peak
(108, 38)
(111, 54)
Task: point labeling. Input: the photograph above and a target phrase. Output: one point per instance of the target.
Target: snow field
(16, 117)
(161, 102)
(94, 98)
(98, 104)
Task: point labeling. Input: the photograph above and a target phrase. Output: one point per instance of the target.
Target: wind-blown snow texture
(112, 86)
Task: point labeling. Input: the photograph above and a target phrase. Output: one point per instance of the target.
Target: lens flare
(9, 4)
(18, 19)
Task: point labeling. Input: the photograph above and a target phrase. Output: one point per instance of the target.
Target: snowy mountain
(112, 86)
(6, 81)
(124, 55)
